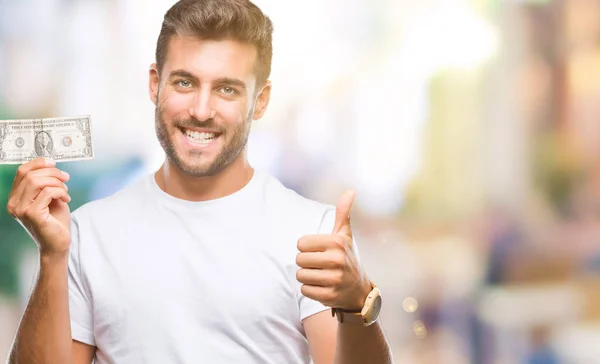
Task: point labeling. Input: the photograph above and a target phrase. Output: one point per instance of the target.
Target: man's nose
(202, 107)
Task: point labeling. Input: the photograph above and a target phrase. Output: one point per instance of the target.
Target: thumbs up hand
(329, 270)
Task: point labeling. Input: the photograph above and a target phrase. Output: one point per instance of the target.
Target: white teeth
(199, 137)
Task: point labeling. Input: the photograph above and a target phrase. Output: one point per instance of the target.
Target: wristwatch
(369, 313)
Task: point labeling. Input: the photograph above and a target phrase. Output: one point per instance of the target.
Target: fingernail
(66, 187)
(49, 162)
(65, 174)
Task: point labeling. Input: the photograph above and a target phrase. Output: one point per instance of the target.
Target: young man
(206, 260)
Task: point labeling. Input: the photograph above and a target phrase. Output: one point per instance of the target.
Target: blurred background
(469, 129)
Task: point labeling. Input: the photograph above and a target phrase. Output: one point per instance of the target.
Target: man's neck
(180, 185)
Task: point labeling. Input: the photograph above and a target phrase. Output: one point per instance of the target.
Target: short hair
(239, 20)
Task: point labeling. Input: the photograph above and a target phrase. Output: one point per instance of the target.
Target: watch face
(373, 313)
(376, 307)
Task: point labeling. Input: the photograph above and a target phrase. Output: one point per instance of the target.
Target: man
(206, 260)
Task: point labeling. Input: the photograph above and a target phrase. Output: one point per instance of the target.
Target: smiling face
(206, 98)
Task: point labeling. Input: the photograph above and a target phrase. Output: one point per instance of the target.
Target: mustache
(195, 123)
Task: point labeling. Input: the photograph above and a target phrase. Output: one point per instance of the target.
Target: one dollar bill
(61, 139)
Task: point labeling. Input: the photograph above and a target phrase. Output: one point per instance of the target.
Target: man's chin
(197, 170)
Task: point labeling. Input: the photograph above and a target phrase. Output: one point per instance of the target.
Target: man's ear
(262, 101)
(153, 81)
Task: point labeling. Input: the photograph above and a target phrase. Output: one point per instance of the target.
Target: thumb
(342, 214)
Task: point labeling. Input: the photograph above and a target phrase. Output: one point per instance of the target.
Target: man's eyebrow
(230, 81)
(183, 73)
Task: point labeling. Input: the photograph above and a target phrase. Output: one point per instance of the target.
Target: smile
(199, 137)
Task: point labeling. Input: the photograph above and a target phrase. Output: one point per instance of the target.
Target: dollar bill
(62, 139)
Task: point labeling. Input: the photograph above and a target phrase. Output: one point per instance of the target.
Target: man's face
(205, 101)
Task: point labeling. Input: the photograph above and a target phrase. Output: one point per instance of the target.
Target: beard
(195, 163)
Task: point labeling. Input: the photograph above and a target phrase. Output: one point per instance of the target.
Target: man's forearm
(359, 344)
(44, 334)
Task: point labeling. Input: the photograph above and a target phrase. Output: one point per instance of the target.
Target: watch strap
(346, 316)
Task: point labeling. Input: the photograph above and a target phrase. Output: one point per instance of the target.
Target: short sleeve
(309, 307)
(82, 321)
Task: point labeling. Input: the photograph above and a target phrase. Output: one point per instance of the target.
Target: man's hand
(38, 200)
(329, 270)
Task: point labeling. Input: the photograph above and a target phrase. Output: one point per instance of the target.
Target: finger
(29, 171)
(31, 192)
(342, 214)
(319, 277)
(33, 179)
(321, 260)
(33, 164)
(48, 194)
(319, 242)
(318, 293)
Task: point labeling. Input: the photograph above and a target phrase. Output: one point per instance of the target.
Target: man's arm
(330, 273)
(346, 343)
(44, 334)
(39, 201)
(83, 353)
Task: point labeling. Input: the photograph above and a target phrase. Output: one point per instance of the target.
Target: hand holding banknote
(38, 200)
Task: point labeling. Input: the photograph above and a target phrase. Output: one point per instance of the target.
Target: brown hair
(240, 20)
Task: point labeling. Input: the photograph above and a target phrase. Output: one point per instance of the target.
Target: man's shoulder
(114, 204)
(288, 204)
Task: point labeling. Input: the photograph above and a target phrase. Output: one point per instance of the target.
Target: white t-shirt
(156, 279)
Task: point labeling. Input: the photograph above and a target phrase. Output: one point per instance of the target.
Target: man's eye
(184, 83)
(228, 91)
